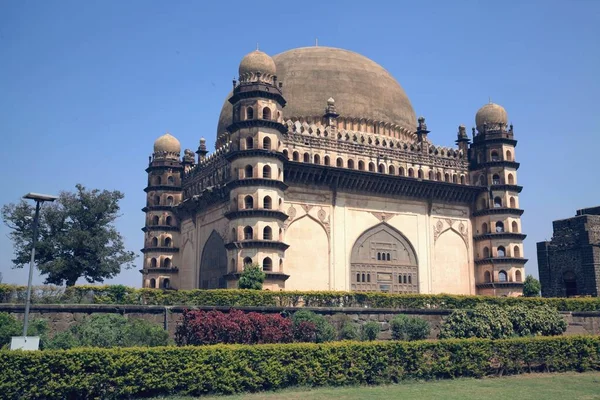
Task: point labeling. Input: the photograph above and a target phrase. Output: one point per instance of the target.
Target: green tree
(252, 277)
(77, 236)
(531, 287)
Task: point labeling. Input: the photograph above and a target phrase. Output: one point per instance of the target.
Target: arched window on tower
(350, 164)
(157, 200)
(267, 143)
(248, 233)
(169, 220)
(317, 159)
(463, 180)
(267, 264)
(167, 263)
(497, 202)
(371, 167)
(267, 233)
(401, 171)
(516, 252)
(267, 172)
(266, 113)
(454, 178)
(306, 158)
(326, 161)
(495, 156)
(339, 162)
(153, 263)
(248, 172)
(501, 251)
(438, 176)
(431, 175)
(249, 113)
(392, 170)
(296, 156)
(486, 252)
(514, 227)
(158, 180)
(171, 180)
(484, 228)
(518, 277)
(446, 177)
(411, 173)
(487, 277)
(502, 276)
(154, 242)
(499, 227)
(247, 261)
(361, 165)
(166, 283)
(168, 242)
(381, 169)
(155, 220)
(495, 179)
(513, 203)
(286, 154)
(249, 143)
(508, 155)
(267, 203)
(152, 283)
(511, 179)
(420, 173)
(248, 202)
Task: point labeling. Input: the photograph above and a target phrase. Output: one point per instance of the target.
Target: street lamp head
(40, 197)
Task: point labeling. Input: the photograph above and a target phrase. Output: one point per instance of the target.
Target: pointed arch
(450, 269)
(366, 258)
(213, 263)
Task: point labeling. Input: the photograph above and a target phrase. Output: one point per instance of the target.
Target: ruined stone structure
(569, 264)
(324, 177)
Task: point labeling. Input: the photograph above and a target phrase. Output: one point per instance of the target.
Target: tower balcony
(501, 260)
(166, 188)
(166, 228)
(506, 187)
(500, 235)
(257, 244)
(256, 212)
(159, 249)
(499, 210)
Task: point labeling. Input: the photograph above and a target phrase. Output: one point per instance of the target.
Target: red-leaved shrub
(211, 327)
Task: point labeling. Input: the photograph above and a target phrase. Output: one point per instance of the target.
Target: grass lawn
(566, 386)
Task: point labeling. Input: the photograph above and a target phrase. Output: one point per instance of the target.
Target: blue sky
(86, 87)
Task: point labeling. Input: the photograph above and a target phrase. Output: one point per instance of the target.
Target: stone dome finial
(167, 143)
(256, 62)
(330, 101)
(492, 116)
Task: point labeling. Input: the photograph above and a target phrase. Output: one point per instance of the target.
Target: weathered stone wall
(61, 316)
(573, 251)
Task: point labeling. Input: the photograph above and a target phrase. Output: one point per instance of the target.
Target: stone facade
(569, 264)
(61, 317)
(335, 195)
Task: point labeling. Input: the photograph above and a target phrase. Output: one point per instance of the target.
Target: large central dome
(361, 88)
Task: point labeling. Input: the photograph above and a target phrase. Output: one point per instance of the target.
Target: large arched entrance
(383, 260)
(213, 264)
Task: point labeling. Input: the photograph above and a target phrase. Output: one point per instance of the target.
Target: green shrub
(239, 298)
(252, 277)
(484, 321)
(110, 330)
(224, 369)
(9, 327)
(541, 321)
(495, 322)
(369, 330)
(325, 332)
(409, 328)
(531, 287)
(348, 331)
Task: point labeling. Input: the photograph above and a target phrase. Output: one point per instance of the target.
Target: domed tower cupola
(491, 117)
(167, 147)
(257, 67)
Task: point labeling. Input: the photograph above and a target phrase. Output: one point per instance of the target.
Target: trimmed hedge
(224, 369)
(118, 294)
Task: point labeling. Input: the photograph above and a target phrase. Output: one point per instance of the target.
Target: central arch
(213, 264)
(383, 260)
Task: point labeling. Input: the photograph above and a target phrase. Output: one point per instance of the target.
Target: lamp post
(39, 199)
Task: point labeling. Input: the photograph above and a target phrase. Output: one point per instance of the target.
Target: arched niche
(399, 274)
(213, 263)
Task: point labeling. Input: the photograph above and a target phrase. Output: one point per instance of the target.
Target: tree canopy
(77, 236)
(252, 277)
(531, 287)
